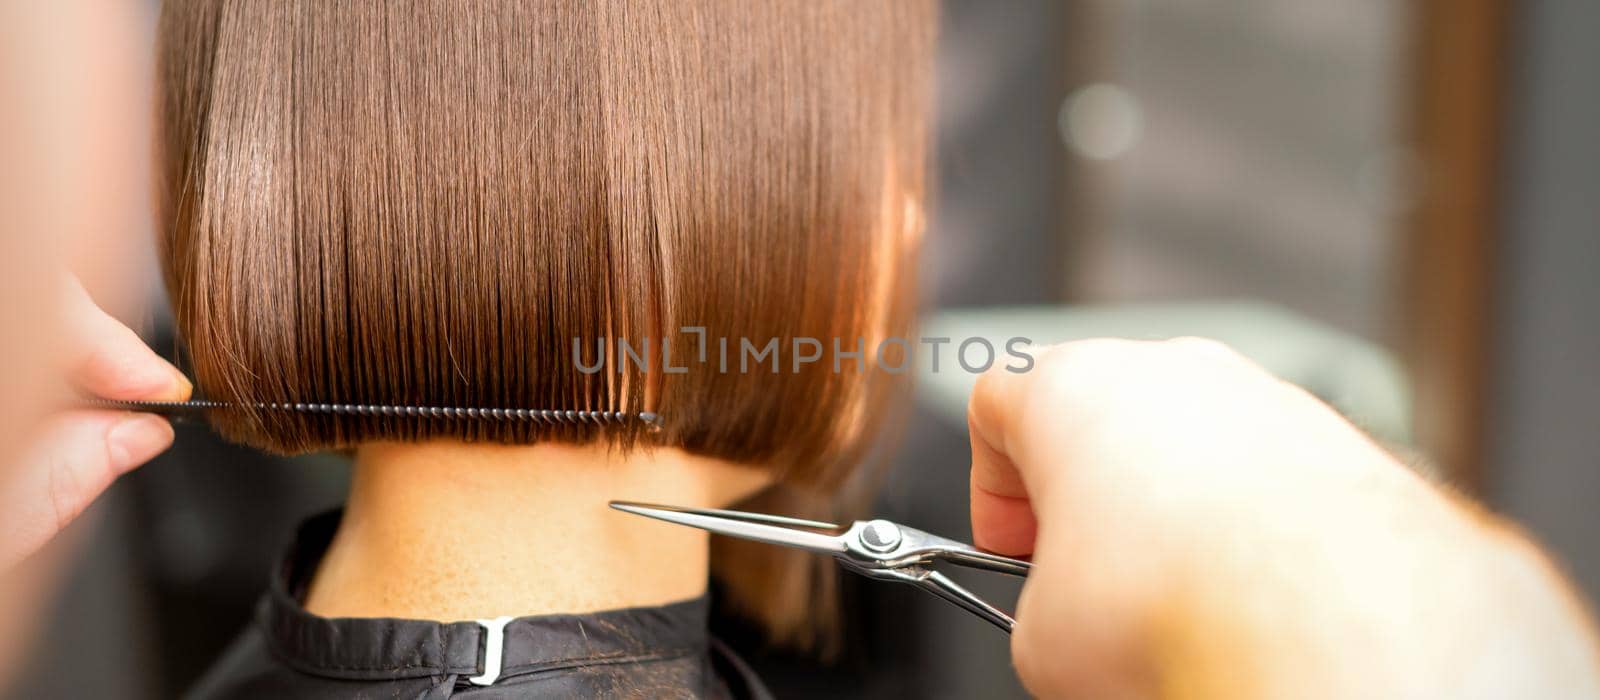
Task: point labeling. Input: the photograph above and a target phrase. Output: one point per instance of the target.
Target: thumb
(107, 359)
(1003, 519)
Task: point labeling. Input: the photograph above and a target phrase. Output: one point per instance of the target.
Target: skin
(74, 455)
(454, 531)
(1202, 529)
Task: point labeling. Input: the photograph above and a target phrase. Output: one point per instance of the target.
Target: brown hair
(426, 203)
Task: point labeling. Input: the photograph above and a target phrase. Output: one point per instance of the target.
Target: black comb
(196, 409)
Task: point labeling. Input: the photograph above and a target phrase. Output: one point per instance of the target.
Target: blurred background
(1390, 203)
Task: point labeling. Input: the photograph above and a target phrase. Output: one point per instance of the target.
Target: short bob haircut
(426, 203)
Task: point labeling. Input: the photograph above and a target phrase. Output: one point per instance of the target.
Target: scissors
(878, 549)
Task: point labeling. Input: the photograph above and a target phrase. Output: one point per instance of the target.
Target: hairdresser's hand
(78, 453)
(1201, 529)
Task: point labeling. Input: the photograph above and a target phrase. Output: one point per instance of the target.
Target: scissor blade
(771, 529)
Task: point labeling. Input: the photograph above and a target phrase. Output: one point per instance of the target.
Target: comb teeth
(522, 415)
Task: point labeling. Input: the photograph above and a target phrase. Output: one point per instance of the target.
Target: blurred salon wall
(1543, 459)
(1236, 149)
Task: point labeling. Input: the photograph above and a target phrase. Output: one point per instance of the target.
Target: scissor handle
(941, 586)
(975, 558)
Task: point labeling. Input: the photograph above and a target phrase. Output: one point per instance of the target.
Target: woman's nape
(447, 531)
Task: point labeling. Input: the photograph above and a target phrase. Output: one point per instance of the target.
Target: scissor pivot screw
(880, 536)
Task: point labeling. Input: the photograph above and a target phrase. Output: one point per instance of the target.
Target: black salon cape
(656, 652)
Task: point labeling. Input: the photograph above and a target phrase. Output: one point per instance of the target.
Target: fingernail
(137, 438)
(181, 385)
(153, 379)
(177, 386)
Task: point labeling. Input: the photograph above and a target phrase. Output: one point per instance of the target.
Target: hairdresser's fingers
(76, 457)
(1027, 429)
(1074, 620)
(1093, 402)
(1069, 464)
(1002, 514)
(108, 360)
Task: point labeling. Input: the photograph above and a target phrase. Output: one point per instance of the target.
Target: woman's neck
(451, 531)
